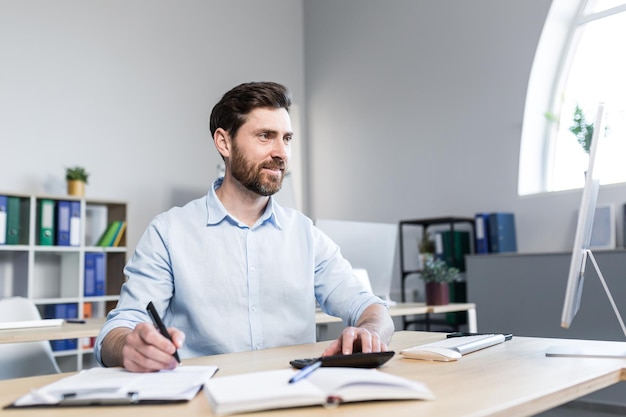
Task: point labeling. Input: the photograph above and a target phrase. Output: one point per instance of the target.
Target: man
(234, 271)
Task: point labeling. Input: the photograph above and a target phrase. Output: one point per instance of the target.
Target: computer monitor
(584, 226)
(582, 252)
(366, 245)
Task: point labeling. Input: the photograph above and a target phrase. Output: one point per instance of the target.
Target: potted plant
(426, 247)
(76, 178)
(426, 244)
(582, 129)
(437, 276)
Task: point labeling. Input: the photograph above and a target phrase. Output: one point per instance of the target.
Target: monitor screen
(582, 240)
(366, 245)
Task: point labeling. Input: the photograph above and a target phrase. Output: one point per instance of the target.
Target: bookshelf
(458, 293)
(53, 275)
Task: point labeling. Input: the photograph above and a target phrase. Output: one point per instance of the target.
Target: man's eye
(287, 139)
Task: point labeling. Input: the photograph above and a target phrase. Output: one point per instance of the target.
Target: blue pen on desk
(158, 323)
(304, 372)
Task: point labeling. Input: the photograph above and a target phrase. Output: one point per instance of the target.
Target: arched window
(580, 61)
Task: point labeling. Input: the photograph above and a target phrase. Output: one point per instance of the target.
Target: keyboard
(458, 345)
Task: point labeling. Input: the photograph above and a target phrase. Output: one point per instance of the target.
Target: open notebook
(326, 386)
(452, 348)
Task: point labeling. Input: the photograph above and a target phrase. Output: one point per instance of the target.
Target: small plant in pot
(76, 178)
(437, 276)
(426, 247)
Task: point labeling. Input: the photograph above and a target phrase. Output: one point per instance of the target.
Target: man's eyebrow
(272, 131)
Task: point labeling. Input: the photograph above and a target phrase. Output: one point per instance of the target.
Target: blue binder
(481, 223)
(95, 272)
(62, 311)
(502, 236)
(63, 223)
(75, 223)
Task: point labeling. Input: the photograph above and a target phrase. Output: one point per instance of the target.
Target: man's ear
(221, 138)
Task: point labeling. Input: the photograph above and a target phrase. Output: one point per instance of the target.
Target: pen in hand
(304, 372)
(158, 323)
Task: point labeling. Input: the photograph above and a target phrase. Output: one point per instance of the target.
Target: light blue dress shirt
(231, 287)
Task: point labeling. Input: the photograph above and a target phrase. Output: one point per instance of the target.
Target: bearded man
(235, 271)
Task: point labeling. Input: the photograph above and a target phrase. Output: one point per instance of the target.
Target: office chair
(24, 359)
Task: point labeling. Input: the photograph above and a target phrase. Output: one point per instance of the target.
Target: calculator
(354, 360)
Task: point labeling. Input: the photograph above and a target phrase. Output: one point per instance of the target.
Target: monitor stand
(618, 350)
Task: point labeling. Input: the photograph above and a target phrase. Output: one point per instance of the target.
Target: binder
(74, 223)
(46, 222)
(460, 241)
(13, 221)
(3, 219)
(108, 236)
(56, 311)
(95, 274)
(71, 312)
(63, 223)
(90, 275)
(62, 311)
(481, 223)
(100, 270)
(502, 236)
(119, 234)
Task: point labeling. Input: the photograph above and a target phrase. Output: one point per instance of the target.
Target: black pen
(158, 323)
(306, 371)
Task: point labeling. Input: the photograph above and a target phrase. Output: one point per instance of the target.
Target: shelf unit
(51, 275)
(441, 223)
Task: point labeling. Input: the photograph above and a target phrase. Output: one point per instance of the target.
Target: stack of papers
(99, 386)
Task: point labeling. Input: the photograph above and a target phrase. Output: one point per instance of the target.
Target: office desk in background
(410, 309)
(92, 326)
(511, 379)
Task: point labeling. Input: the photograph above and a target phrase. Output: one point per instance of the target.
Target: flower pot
(76, 187)
(437, 293)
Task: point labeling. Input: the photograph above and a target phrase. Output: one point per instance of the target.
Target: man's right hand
(142, 349)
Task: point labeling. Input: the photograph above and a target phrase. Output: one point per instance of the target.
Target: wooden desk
(92, 326)
(511, 379)
(409, 309)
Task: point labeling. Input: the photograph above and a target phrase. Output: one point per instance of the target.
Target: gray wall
(125, 88)
(415, 110)
(412, 108)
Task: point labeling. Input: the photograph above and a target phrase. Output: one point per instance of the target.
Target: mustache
(275, 163)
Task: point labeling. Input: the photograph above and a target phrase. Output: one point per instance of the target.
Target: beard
(252, 176)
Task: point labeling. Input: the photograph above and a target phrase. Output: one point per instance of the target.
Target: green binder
(13, 220)
(46, 222)
(108, 236)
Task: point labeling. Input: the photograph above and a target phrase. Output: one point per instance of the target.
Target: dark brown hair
(231, 111)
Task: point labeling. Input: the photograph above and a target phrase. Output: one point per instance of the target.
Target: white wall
(125, 88)
(415, 110)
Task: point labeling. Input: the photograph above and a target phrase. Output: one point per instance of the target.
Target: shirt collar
(216, 212)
